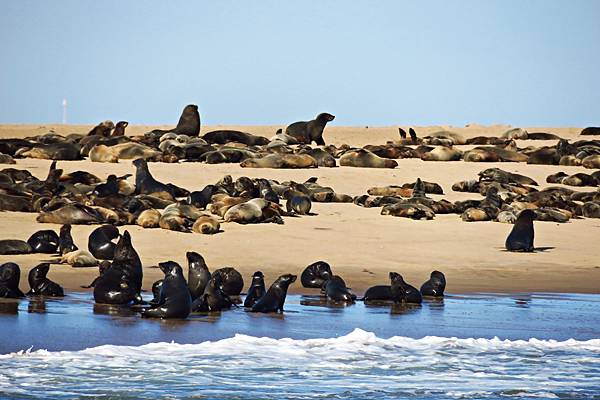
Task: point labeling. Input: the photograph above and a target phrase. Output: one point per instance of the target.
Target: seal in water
(257, 289)
(44, 241)
(198, 274)
(100, 242)
(310, 131)
(435, 286)
(213, 298)
(315, 275)
(174, 299)
(336, 290)
(233, 283)
(10, 274)
(521, 235)
(274, 299)
(402, 292)
(65, 243)
(41, 285)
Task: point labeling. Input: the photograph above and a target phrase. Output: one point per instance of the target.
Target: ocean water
(314, 351)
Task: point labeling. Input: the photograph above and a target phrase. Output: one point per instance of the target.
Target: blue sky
(272, 62)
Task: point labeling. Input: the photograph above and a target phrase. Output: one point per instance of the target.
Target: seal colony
(142, 194)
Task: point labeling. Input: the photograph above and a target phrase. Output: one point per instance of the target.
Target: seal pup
(174, 298)
(198, 274)
(315, 275)
(310, 131)
(402, 292)
(257, 289)
(213, 298)
(274, 299)
(100, 242)
(435, 286)
(521, 235)
(10, 275)
(14, 246)
(65, 243)
(42, 286)
(44, 241)
(79, 259)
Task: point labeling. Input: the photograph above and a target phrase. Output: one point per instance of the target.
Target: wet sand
(359, 243)
(75, 323)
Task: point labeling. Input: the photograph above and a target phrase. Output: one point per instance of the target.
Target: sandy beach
(359, 243)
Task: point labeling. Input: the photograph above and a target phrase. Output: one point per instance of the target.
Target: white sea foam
(357, 365)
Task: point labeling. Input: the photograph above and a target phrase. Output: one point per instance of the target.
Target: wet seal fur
(435, 286)
(41, 285)
(257, 289)
(274, 299)
(522, 234)
(10, 275)
(174, 297)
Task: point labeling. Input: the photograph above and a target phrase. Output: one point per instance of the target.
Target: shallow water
(315, 350)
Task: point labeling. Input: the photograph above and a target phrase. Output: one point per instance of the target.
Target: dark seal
(198, 274)
(257, 289)
(336, 290)
(315, 275)
(233, 283)
(274, 299)
(65, 243)
(402, 292)
(310, 131)
(14, 246)
(10, 275)
(41, 285)
(44, 241)
(174, 297)
(521, 235)
(100, 242)
(214, 297)
(435, 286)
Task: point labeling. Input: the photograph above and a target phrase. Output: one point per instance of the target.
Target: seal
(198, 274)
(100, 242)
(365, 159)
(110, 188)
(10, 275)
(315, 275)
(73, 213)
(435, 286)
(232, 280)
(156, 286)
(521, 235)
(14, 246)
(442, 153)
(274, 299)
(297, 202)
(188, 124)
(79, 259)
(149, 218)
(257, 289)
(41, 285)
(213, 298)
(174, 298)
(310, 131)
(102, 267)
(590, 130)
(120, 128)
(402, 292)
(146, 184)
(65, 241)
(226, 136)
(113, 287)
(207, 225)
(102, 129)
(336, 290)
(283, 161)
(378, 293)
(127, 262)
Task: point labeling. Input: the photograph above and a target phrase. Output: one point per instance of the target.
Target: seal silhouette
(522, 234)
(100, 242)
(198, 274)
(274, 299)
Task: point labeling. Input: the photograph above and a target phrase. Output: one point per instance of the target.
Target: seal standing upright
(256, 290)
(521, 235)
(402, 292)
(435, 286)
(66, 244)
(10, 274)
(213, 298)
(274, 299)
(174, 299)
(310, 131)
(198, 274)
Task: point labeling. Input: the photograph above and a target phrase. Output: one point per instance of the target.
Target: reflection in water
(434, 302)
(323, 301)
(404, 308)
(37, 305)
(9, 307)
(113, 309)
(522, 300)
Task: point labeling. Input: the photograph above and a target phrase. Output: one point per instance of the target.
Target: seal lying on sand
(365, 159)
